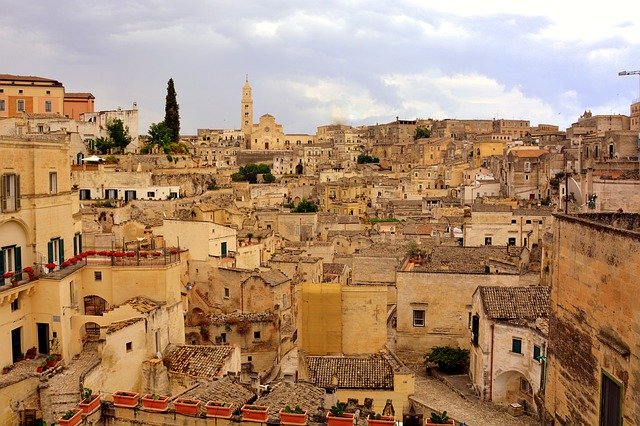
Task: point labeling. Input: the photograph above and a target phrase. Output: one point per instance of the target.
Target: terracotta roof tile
(306, 395)
(516, 303)
(351, 372)
(199, 361)
(223, 390)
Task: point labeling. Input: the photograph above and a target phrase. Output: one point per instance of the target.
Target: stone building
(509, 328)
(525, 173)
(593, 369)
(28, 94)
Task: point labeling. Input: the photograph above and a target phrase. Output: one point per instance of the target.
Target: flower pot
(40, 369)
(52, 363)
(125, 399)
(449, 422)
(345, 419)
(58, 357)
(383, 421)
(293, 418)
(159, 404)
(255, 413)
(190, 407)
(73, 420)
(216, 409)
(91, 405)
(6, 370)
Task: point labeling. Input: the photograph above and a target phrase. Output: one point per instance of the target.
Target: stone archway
(90, 331)
(299, 169)
(95, 305)
(512, 386)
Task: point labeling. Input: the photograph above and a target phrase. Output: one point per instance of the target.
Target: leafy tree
(421, 133)
(305, 206)
(249, 173)
(450, 360)
(119, 134)
(171, 114)
(366, 159)
(103, 145)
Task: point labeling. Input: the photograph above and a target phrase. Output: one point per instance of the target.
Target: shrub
(448, 359)
(439, 419)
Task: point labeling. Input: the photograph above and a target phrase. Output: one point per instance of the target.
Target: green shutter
(1, 261)
(79, 243)
(17, 192)
(75, 244)
(18, 254)
(516, 346)
(61, 251)
(536, 352)
(50, 251)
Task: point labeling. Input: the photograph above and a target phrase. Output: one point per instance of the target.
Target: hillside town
(419, 271)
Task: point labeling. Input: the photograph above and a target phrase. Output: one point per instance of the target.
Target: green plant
(296, 410)
(67, 415)
(338, 409)
(51, 357)
(448, 359)
(374, 416)
(439, 419)
(155, 397)
(87, 394)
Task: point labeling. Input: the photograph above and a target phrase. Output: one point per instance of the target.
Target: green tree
(305, 206)
(118, 134)
(366, 159)
(450, 360)
(159, 135)
(103, 145)
(249, 173)
(171, 114)
(421, 133)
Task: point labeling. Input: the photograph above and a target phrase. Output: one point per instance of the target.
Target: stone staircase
(62, 391)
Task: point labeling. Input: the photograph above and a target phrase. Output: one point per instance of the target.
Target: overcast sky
(319, 62)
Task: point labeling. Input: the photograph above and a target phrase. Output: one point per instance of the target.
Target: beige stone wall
(364, 313)
(320, 318)
(594, 302)
(446, 300)
(11, 398)
(374, 269)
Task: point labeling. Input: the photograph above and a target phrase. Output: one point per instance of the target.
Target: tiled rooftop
(199, 361)
(351, 372)
(516, 303)
(142, 304)
(273, 277)
(306, 395)
(236, 317)
(119, 325)
(466, 260)
(223, 390)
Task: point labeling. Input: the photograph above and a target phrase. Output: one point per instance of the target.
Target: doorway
(43, 337)
(16, 343)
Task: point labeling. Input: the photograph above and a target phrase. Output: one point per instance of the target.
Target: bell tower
(246, 112)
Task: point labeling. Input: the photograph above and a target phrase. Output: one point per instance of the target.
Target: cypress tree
(171, 115)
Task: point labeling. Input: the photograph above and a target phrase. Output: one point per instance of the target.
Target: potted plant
(337, 417)
(155, 402)
(31, 352)
(125, 399)
(440, 419)
(52, 360)
(187, 406)
(255, 413)
(293, 416)
(6, 369)
(90, 402)
(42, 367)
(71, 418)
(50, 266)
(380, 420)
(221, 410)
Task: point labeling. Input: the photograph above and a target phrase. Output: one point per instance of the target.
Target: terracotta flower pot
(255, 413)
(449, 422)
(73, 420)
(125, 399)
(161, 403)
(345, 419)
(383, 421)
(293, 418)
(90, 406)
(190, 407)
(217, 409)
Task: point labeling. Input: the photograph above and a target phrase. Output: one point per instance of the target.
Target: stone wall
(594, 326)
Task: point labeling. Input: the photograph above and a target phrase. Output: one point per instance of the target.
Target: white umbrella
(93, 159)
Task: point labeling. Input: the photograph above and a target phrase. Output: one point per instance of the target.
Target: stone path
(472, 411)
(62, 391)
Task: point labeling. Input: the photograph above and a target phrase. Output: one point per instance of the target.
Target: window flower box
(441, 419)
(66, 264)
(90, 404)
(125, 399)
(345, 419)
(296, 416)
(190, 407)
(8, 274)
(255, 413)
(382, 421)
(71, 418)
(155, 402)
(221, 410)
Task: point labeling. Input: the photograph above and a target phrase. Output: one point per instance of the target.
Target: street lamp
(623, 73)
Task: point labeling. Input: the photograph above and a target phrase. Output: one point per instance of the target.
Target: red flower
(156, 253)
(66, 263)
(144, 253)
(90, 252)
(28, 269)
(8, 274)
(130, 254)
(50, 266)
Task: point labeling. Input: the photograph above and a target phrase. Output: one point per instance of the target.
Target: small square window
(512, 241)
(249, 358)
(151, 194)
(487, 241)
(227, 293)
(256, 335)
(516, 345)
(528, 222)
(223, 337)
(15, 305)
(97, 275)
(418, 318)
(48, 92)
(513, 221)
(20, 91)
(536, 352)
(129, 346)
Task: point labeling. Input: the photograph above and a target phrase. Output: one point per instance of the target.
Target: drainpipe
(491, 366)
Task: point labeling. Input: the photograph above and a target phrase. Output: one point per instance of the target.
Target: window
(516, 345)
(129, 346)
(47, 106)
(97, 275)
(536, 352)
(20, 105)
(256, 335)
(72, 293)
(48, 92)
(2, 105)
(10, 193)
(10, 259)
(610, 401)
(77, 243)
(55, 250)
(528, 222)
(15, 305)
(418, 318)
(513, 221)
(512, 241)
(487, 241)
(151, 194)
(527, 166)
(475, 330)
(223, 337)
(226, 293)
(20, 91)
(53, 182)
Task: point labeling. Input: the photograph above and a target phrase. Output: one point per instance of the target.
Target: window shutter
(18, 254)
(3, 192)
(17, 192)
(1, 262)
(50, 251)
(79, 243)
(75, 244)
(61, 251)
